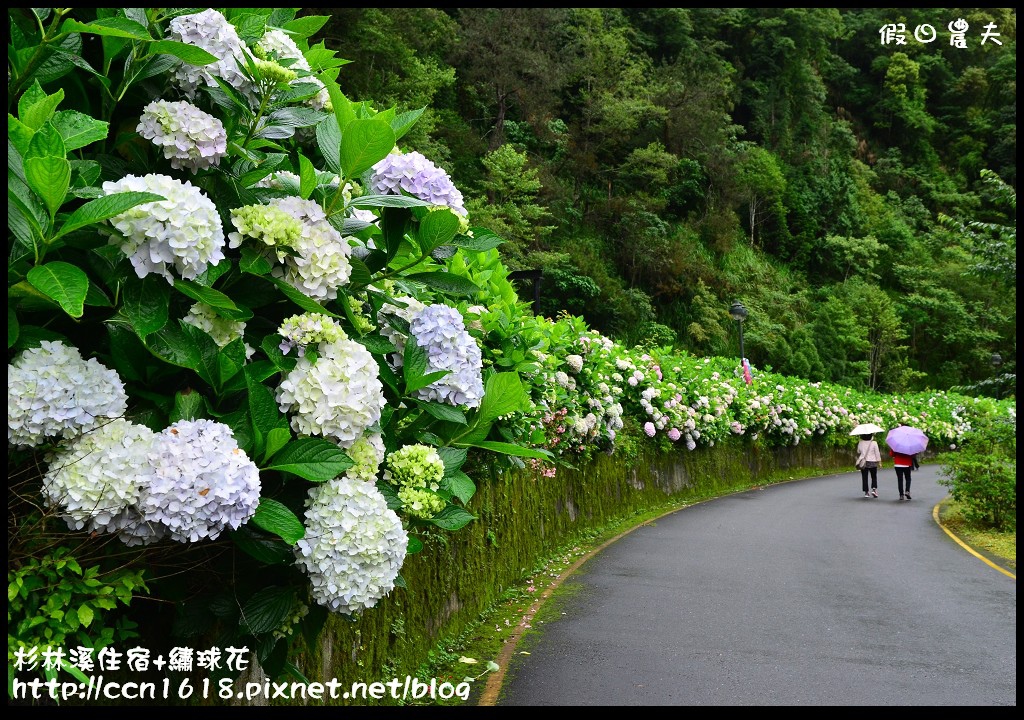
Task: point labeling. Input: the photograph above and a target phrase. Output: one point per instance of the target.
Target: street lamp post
(739, 314)
(996, 361)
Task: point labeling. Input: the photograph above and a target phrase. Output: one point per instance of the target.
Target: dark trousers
(901, 473)
(874, 478)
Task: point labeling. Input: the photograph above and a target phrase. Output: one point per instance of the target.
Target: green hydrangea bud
(270, 70)
(270, 225)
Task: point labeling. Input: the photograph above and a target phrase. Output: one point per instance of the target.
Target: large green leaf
(481, 241)
(276, 518)
(328, 139)
(503, 394)
(188, 405)
(304, 302)
(79, 129)
(307, 177)
(452, 518)
(267, 609)
(403, 122)
(365, 142)
(393, 201)
(215, 299)
(510, 449)
(63, 282)
(307, 26)
(183, 51)
(267, 550)
(188, 347)
(111, 27)
(460, 485)
(443, 412)
(314, 459)
(145, 304)
(437, 228)
(36, 107)
(446, 282)
(105, 208)
(49, 177)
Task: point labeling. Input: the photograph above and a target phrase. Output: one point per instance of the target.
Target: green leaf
(49, 177)
(267, 550)
(482, 241)
(304, 27)
(276, 518)
(415, 545)
(443, 412)
(188, 347)
(423, 381)
(267, 609)
(253, 262)
(12, 327)
(365, 142)
(503, 394)
(392, 201)
(36, 112)
(215, 299)
(145, 304)
(328, 139)
(453, 458)
(183, 51)
(85, 615)
(188, 405)
(460, 485)
(34, 95)
(307, 177)
(63, 282)
(304, 302)
(46, 142)
(403, 122)
(446, 282)
(79, 129)
(110, 27)
(105, 208)
(452, 518)
(437, 228)
(314, 459)
(510, 449)
(276, 439)
(414, 361)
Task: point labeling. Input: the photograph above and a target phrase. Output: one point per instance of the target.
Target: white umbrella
(866, 429)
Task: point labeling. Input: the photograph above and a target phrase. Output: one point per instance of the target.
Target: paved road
(803, 593)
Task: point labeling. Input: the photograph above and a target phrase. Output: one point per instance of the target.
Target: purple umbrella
(907, 440)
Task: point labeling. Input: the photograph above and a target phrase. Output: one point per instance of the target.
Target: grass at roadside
(1000, 544)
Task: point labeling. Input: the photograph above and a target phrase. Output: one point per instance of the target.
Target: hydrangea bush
(245, 318)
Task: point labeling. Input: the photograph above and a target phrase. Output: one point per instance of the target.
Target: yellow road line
(965, 546)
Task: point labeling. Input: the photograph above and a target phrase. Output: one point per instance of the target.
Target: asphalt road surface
(803, 593)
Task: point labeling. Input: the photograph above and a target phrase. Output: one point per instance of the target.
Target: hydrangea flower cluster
(354, 546)
(53, 392)
(202, 483)
(183, 231)
(368, 453)
(270, 225)
(339, 396)
(320, 265)
(190, 138)
(441, 332)
(276, 43)
(412, 173)
(308, 329)
(223, 330)
(97, 478)
(417, 471)
(209, 30)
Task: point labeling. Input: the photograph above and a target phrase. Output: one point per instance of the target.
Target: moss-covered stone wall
(522, 517)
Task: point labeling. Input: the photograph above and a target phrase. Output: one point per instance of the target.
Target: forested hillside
(856, 195)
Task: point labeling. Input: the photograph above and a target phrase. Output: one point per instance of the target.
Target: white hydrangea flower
(339, 396)
(354, 546)
(53, 392)
(202, 484)
(223, 330)
(184, 231)
(190, 138)
(210, 31)
(97, 478)
(575, 362)
(320, 265)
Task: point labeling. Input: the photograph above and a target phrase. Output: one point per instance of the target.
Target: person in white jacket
(868, 459)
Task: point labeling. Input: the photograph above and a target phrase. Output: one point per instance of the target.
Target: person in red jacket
(904, 464)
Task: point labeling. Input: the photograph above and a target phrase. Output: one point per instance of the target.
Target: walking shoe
(874, 492)
(867, 495)
(907, 495)
(901, 497)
